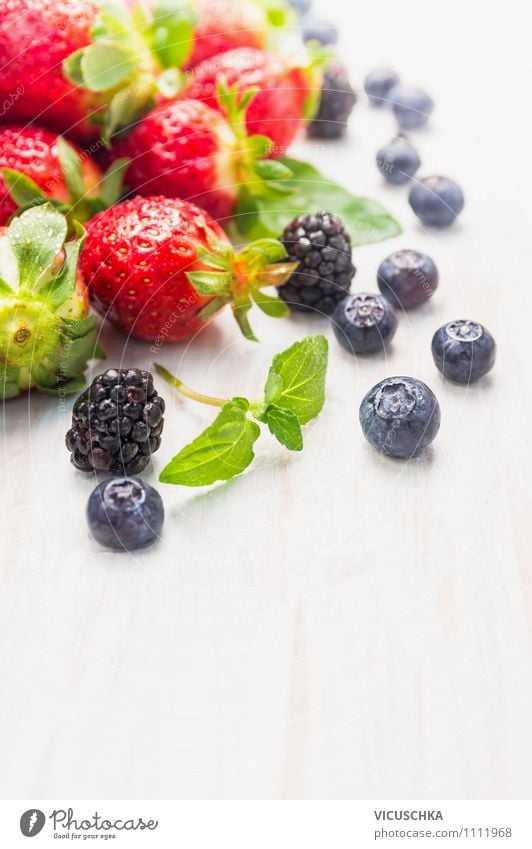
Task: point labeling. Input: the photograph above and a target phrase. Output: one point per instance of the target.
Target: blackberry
(322, 245)
(116, 423)
(336, 103)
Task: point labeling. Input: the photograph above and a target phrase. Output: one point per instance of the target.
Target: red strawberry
(225, 25)
(277, 110)
(186, 149)
(36, 36)
(160, 267)
(34, 152)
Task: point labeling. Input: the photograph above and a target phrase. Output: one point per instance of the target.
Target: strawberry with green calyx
(46, 334)
(294, 394)
(38, 166)
(132, 58)
(186, 149)
(138, 52)
(161, 267)
(287, 89)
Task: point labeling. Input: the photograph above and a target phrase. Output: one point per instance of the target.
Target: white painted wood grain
(333, 624)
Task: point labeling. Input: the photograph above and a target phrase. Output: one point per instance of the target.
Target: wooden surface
(332, 624)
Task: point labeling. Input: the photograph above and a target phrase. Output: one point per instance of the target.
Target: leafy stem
(186, 390)
(294, 394)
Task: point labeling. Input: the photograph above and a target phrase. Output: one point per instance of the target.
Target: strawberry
(278, 109)
(46, 334)
(38, 166)
(35, 153)
(186, 149)
(138, 50)
(160, 267)
(37, 35)
(225, 25)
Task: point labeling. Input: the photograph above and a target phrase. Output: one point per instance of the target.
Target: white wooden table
(332, 624)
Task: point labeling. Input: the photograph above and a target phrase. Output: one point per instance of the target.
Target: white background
(332, 624)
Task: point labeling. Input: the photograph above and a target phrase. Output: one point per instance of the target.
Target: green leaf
(172, 32)
(285, 427)
(104, 66)
(216, 260)
(112, 186)
(258, 146)
(36, 237)
(42, 376)
(22, 189)
(273, 307)
(72, 169)
(271, 169)
(68, 387)
(126, 106)
(273, 387)
(77, 329)
(302, 369)
(212, 308)
(222, 451)
(365, 219)
(5, 288)
(61, 287)
(72, 67)
(241, 307)
(262, 252)
(211, 282)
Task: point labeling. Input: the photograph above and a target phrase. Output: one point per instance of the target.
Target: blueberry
(407, 278)
(301, 6)
(378, 84)
(364, 323)
(317, 29)
(125, 513)
(436, 201)
(411, 106)
(398, 161)
(463, 350)
(400, 416)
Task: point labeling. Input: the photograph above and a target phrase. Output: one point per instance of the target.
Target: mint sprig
(294, 394)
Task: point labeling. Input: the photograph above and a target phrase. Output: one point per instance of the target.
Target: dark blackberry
(322, 245)
(116, 423)
(336, 103)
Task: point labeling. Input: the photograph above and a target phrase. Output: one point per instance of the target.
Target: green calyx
(83, 202)
(239, 278)
(294, 394)
(46, 336)
(257, 176)
(135, 54)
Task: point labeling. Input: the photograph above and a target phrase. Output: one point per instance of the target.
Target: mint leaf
(302, 369)
(273, 387)
(285, 427)
(222, 451)
(366, 220)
